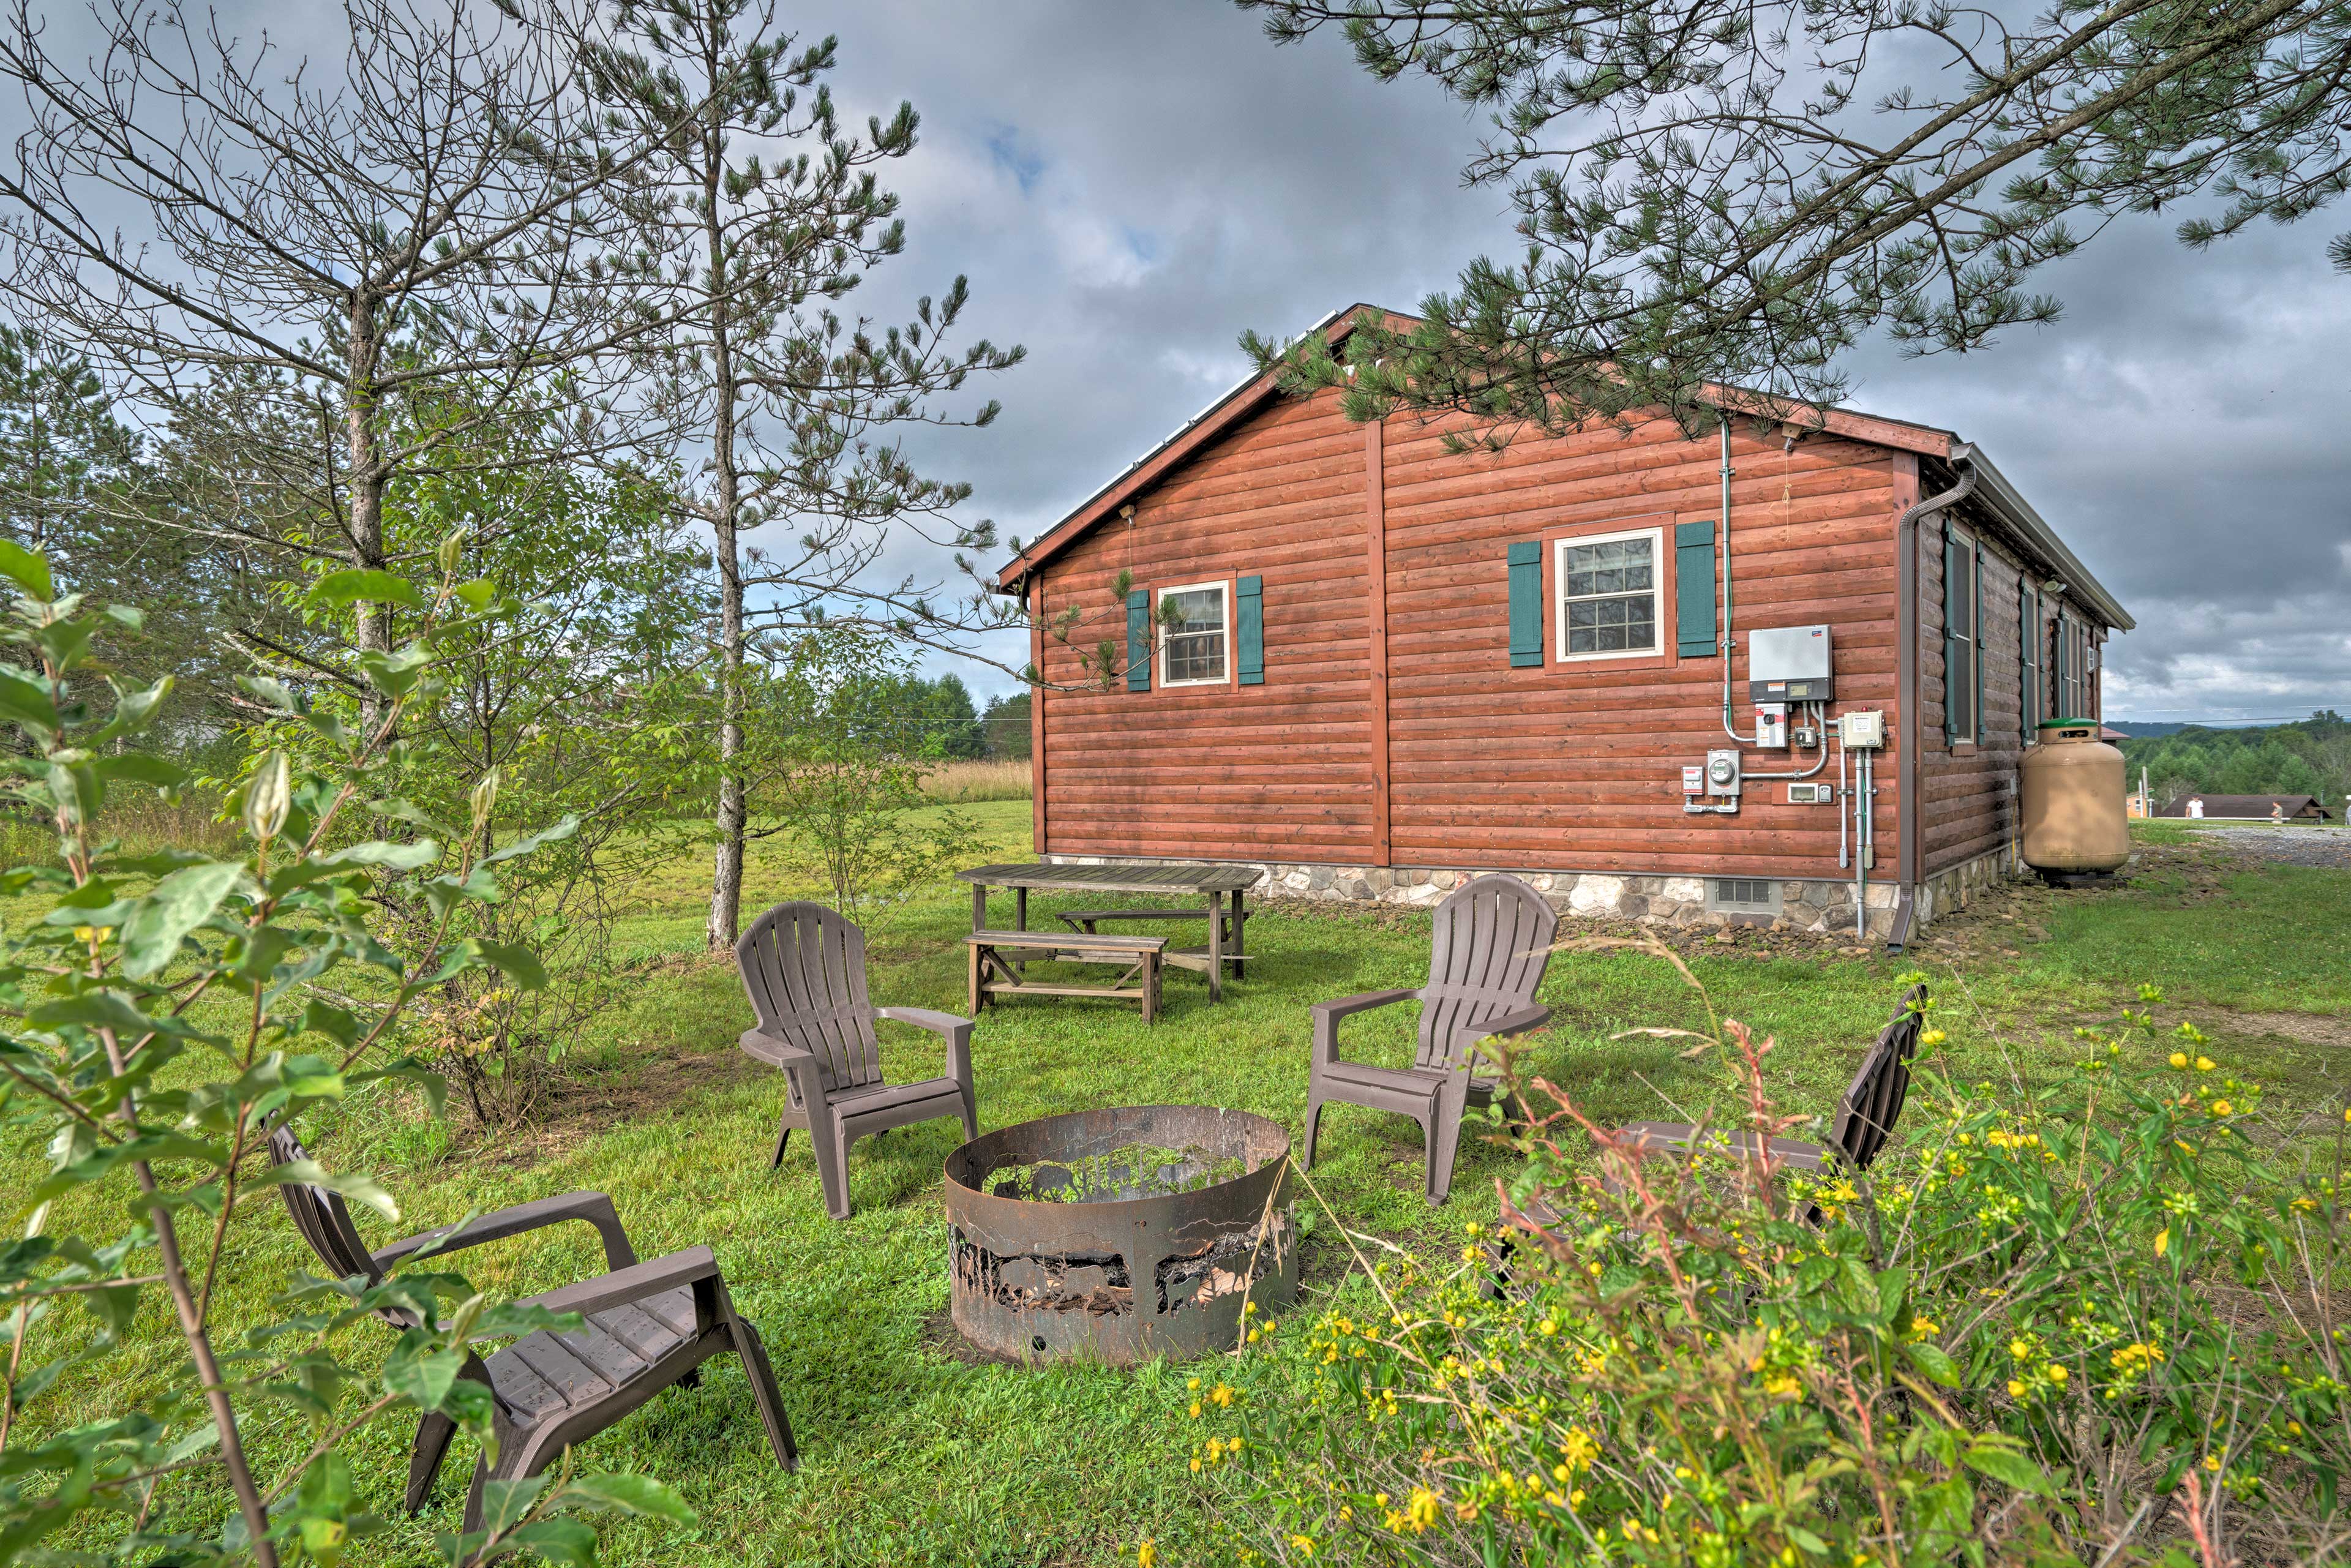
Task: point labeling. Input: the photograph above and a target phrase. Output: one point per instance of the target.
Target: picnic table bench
(1194, 958)
(1214, 883)
(997, 958)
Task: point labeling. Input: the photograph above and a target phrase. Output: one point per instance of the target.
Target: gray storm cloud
(1129, 187)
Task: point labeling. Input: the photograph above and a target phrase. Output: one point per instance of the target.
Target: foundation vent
(1743, 896)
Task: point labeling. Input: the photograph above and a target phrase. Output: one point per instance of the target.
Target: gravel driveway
(2291, 845)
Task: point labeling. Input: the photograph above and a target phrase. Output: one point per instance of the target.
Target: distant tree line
(2309, 758)
(934, 717)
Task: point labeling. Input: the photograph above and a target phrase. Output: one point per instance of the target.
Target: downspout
(1906, 620)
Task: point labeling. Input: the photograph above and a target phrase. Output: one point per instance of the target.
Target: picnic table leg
(1240, 943)
(1020, 909)
(1215, 946)
(977, 996)
(979, 906)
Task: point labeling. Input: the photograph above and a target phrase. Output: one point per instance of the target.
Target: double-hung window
(1608, 593)
(1960, 628)
(1194, 647)
(2028, 660)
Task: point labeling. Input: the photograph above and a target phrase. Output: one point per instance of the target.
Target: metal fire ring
(1120, 1234)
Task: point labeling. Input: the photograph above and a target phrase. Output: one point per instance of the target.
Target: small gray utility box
(1789, 664)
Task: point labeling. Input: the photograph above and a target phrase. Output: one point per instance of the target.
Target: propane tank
(2073, 813)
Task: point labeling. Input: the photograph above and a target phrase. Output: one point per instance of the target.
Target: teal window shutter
(1138, 641)
(1526, 604)
(1248, 629)
(1956, 684)
(1694, 590)
(1975, 636)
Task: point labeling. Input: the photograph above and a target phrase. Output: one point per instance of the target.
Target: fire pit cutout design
(1121, 1234)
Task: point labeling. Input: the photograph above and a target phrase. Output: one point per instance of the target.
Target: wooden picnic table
(1195, 879)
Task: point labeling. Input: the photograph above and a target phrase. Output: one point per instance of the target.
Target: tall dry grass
(1000, 778)
(143, 820)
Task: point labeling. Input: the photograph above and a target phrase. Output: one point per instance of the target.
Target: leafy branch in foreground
(156, 1020)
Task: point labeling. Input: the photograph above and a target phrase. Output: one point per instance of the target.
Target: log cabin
(1776, 672)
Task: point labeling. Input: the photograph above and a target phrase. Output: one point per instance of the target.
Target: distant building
(2249, 808)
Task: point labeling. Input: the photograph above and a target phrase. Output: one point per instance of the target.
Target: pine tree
(784, 404)
(1739, 191)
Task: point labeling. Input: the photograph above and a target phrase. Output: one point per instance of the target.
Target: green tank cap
(2067, 724)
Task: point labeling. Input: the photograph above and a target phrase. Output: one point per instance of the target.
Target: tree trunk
(365, 453)
(726, 871)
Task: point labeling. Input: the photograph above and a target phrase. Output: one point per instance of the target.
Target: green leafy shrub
(157, 1017)
(2095, 1322)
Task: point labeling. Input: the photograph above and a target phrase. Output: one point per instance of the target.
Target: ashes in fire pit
(1122, 1234)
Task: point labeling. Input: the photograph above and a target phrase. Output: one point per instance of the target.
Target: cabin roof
(1252, 393)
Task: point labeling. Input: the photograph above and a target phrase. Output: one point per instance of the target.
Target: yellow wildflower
(2179, 1059)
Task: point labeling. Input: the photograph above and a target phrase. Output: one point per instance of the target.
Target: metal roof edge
(1992, 488)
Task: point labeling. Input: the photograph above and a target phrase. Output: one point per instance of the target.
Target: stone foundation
(1818, 905)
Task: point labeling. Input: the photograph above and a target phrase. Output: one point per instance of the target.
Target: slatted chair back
(1491, 951)
(1873, 1102)
(804, 967)
(325, 1222)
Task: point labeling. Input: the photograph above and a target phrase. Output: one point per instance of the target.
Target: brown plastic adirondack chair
(804, 969)
(649, 1325)
(1490, 955)
(1865, 1113)
(1864, 1119)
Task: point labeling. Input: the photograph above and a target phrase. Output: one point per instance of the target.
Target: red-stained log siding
(1280, 771)
(1566, 766)
(1967, 799)
(1579, 766)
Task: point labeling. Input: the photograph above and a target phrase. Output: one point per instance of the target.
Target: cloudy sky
(1129, 186)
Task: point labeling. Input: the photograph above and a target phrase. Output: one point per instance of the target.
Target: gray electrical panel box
(1789, 664)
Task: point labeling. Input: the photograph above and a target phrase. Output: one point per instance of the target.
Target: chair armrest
(634, 1283)
(1508, 1023)
(956, 1030)
(593, 1206)
(806, 1071)
(1328, 1014)
(924, 1018)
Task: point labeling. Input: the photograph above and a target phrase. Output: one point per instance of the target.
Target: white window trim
(1224, 593)
(2029, 672)
(1560, 547)
(1973, 733)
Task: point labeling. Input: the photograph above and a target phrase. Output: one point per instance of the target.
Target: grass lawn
(915, 1455)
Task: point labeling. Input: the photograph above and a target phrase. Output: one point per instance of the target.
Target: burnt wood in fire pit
(1120, 1234)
